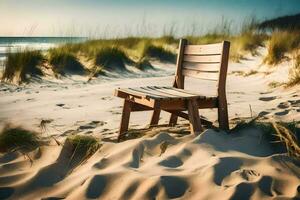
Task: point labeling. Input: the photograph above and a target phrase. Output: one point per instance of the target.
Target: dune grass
(18, 139)
(284, 137)
(63, 61)
(112, 58)
(21, 65)
(157, 51)
(82, 148)
(294, 73)
(143, 64)
(280, 43)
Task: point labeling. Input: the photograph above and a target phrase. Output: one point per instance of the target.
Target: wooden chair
(208, 62)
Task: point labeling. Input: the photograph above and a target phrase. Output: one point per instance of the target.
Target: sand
(162, 164)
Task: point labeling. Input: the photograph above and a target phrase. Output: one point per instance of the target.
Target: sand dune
(161, 165)
(213, 165)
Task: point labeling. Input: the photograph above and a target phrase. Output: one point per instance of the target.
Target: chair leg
(155, 114)
(155, 117)
(223, 115)
(125, 118)
(194, 118)
(173, 120)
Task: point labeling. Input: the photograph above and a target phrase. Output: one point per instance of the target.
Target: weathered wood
(200, 75)
(204, 67)
(155, 114)
(207, 49)
(202, 59)
(125, 118)
(208, 62)
(179, 78)
(222, 101)
(194, 117)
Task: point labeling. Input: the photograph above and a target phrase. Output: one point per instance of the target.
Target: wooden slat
(171, 91)
(203, 59)
(200, 75)
(156, 91)
(204, 67)
(187, 91)
(137, 93)
(209, 49)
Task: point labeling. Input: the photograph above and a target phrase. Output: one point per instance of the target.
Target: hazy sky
(123, 17)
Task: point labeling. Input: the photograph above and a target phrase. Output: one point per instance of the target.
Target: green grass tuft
(111, 58)
(20, 65)
(294, 73)
(82, 148)
(280, 43)
(17, 138)
(284, 137)
(143, 64)
(159, 52)
(64, 62)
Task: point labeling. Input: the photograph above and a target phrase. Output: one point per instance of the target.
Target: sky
(110, 18)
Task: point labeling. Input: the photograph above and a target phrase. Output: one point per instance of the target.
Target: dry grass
(280, 43)
(284, 137)
(294, 73)
(112, 58)
(18, 139)
(81, 147)
(157, 51)
(21, 65)
(275, 84)
(63, 62)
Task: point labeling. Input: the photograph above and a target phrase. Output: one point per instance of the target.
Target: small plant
(143, 64)
(294, 73)
(64, 61)
(17, 138)
(82, 148)
(152, 51)
(280, 43)
(275, 84)
(284, 137)
(112, 58)
(18, 66)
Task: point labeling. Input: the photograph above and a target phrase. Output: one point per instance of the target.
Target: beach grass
(112, 58)
(281, 43)
(63, 61)
(143, 64)
(18, 139)
(21, 65)
(294, 73)
(81, 147)
(283, 137)
(159, 52)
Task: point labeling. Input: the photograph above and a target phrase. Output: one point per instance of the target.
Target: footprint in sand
(249, 175)
(281, 113)
(295, 103)
(283, 105)
(263, 113)
(106, 98)
(267, 98)
(91, 125)
(62, 105)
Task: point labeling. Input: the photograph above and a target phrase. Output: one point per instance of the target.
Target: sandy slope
(213, 165)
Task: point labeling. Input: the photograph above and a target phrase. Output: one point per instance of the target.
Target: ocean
(14, 44)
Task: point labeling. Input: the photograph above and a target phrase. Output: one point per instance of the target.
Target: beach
(163, 162)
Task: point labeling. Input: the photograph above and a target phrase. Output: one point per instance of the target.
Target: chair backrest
(207, 62)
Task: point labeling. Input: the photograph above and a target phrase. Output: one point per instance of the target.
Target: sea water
(15, 44)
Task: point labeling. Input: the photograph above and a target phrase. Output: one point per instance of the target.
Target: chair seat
(160, 93)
